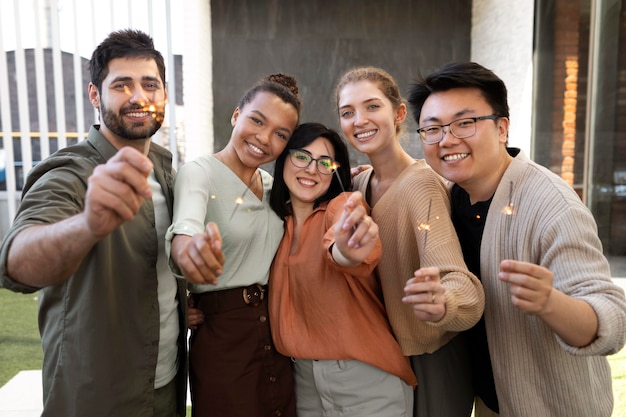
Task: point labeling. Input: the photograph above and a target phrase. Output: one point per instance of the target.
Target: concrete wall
(316, 41)
(502, 40)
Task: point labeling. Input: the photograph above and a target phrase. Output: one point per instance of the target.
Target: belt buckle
(253, 295)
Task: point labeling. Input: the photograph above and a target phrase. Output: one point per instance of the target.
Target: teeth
(365, 134)
(255, 149)
(455, 157)
(306, 181)
(138, 114)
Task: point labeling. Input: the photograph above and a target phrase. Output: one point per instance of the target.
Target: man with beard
(89, 236)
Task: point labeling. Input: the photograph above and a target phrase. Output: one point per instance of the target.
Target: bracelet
(339, 257)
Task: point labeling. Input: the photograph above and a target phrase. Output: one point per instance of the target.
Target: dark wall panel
(316, 41)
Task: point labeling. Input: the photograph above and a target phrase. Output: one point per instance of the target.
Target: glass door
(579, 122)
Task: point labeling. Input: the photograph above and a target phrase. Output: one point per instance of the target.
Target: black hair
(126, 43)
(281, 85)
(459, 75)
(301, 137)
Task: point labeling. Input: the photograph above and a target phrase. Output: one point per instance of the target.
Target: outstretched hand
(530, 285)
(355, 232)
(116, 191)
(199, 257)
(425, 293)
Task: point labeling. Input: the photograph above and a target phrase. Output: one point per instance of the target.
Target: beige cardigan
(399, 214)
(536, 373)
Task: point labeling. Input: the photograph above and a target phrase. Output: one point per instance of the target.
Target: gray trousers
(444, 381)
(331, 388)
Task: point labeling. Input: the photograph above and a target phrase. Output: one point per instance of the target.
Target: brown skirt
(234, 369)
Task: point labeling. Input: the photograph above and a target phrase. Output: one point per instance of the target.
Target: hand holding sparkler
(356, 233)
(424, 291)
(116, 191)
(200, 256)
(426, 294)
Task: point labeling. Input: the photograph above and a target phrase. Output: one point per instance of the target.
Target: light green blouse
(206, 190)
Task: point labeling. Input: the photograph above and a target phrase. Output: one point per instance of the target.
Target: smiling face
(368, 119)
(306, 185)
(475, 163)
(130, 87)
(262, 128)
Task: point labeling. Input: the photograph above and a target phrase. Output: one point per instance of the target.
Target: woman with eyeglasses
(324, 300)
(429, 293)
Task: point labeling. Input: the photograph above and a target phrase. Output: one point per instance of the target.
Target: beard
(131, 131)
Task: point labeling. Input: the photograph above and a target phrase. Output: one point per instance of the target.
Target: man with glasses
(552, 312)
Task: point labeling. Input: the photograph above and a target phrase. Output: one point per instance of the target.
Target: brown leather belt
(214, 302)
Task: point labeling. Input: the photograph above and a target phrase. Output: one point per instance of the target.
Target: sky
(84, 23)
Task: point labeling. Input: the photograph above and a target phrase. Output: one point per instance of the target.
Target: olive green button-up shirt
(100, 328)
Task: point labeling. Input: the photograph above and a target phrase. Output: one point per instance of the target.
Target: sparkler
(508, 212)
(239, 200)
(335, 167)
(508, 209)
(156, 110)
(425, 226)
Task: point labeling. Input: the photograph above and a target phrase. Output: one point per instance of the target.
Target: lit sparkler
(508, 209)
(508, 212)
(239, 200)
(335, 169)
(156, 110)
(425, 226)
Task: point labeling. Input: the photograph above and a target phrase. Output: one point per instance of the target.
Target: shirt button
(272, 379)
(278, 413)
(267, 347)
(262, 319)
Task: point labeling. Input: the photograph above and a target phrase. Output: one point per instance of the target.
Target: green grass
(618, 368)
(20, 347)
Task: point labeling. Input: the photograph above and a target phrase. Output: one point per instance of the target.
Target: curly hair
(281, 85)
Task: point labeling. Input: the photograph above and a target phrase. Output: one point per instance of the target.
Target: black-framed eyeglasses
(460, 129)
(302, 159)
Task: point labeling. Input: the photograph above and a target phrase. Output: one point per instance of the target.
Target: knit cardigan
(419, 197)
(536, 373)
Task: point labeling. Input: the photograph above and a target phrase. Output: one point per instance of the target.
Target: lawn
(20, 347)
